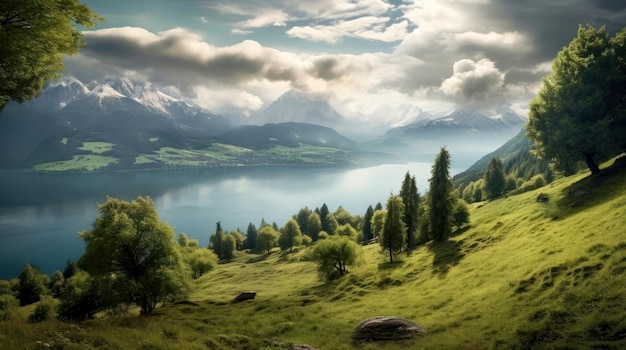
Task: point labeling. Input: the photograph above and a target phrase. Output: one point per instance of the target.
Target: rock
(245, 296)
(386, 328)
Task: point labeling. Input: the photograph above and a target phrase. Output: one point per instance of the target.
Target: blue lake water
(41, 214)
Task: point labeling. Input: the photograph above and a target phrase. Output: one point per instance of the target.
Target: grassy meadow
(523, 275)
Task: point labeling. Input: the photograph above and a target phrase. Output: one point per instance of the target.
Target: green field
(78, 163)
(97, 147)
(524, 275)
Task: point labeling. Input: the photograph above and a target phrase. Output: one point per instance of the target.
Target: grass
(97, 147)
(78, 162)
(525, 275)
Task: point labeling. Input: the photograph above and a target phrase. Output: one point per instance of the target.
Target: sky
(239, 55)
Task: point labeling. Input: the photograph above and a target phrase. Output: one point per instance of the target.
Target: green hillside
(525, 275)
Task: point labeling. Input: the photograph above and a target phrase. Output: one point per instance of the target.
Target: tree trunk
(590, 159)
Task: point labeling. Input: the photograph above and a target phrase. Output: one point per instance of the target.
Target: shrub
(8, 306)
(44, 310)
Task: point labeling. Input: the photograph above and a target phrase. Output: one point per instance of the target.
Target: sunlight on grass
(525, 275)
(97, 147)
(78, 162)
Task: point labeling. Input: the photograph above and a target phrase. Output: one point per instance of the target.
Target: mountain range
(137, 121)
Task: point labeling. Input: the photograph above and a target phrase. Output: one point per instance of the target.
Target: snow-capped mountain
(295, 106)
(105, 99)
(59, 94)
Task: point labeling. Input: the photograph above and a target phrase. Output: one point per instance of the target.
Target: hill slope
(525, 275)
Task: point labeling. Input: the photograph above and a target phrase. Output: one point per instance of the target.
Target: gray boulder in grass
(386, 328)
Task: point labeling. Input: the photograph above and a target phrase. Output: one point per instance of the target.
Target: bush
(44, 310)
(8, 306)
(334, 255)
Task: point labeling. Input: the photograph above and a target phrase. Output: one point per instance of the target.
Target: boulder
(386, 328)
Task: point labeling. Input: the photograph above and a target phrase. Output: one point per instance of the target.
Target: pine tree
(251, 234)
(440, 200)
(410, 198)
(216, 240)
(324, 212)
(494, 180)
(367, 224)
(393, 237)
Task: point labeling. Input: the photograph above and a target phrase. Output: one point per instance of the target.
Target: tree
(35, 34)
(267, 238)
(378, 222)
(440, 198)
(460, 215)
(135, 254)
(343, 216)
(331, 223)
(410, 198)
(215, 242)
(579, 111)
(367, 224)
(302, 217)
(290, 235)
(251, 234)
(200, 260)
(346, 230)
(335, 254)
(32, 285)
(227, 247)
(393, 238)
(494, 180)
(314, 225)
(324, 212)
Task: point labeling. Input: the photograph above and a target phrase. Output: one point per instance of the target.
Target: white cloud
(473, 81)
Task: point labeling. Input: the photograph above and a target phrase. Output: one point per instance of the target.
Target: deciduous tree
(578, 114)
(335, 254)
(267, 238)
(290, 235)
(35, 34)
(135, 254)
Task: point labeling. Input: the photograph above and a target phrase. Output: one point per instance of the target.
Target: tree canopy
(35, 34)
(335, 255)
(135, 254)
(494, 178)
(579, 113)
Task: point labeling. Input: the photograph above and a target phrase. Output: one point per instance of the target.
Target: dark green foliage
(8, 305)
(335, 255)
(410, 198)
(228, 246)
(56, 283)
(290, 235)
(578, 114)
(32, 285)
(35, 36)
(81, 297)
(134, 252)
(251, 234)
(70, 269)
(302, 219)
(215, 242)
(43, 311)
(440, 198)
(331, 223)
(393, 238)
(239, 237)
(460, 215)
(324, 212)
(494, 178)
(367, 224)
(378, 206)
(314, 225)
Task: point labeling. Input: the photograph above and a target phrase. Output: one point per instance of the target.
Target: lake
(41, 214)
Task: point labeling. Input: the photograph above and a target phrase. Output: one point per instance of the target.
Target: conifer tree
(393, 238)
(216, 240)
(440, 199)
(411, 200)
(367, 224)
(251, 234)
(494, 180)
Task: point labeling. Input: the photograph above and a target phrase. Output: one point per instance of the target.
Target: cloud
(369, 28)
(473, 81)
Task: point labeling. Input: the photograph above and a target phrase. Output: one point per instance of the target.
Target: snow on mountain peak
(104, 90)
